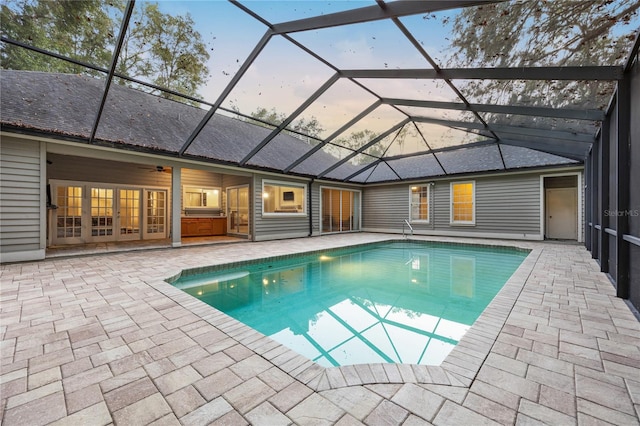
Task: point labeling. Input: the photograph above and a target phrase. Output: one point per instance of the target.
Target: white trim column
(44, 211)
(176, 201)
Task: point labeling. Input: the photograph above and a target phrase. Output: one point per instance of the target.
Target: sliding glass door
(238, 210)
(340, 210)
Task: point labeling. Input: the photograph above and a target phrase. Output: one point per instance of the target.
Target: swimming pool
(393, 302)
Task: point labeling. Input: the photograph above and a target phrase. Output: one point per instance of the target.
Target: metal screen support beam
(517, 130)
(418, 46)
(334, 135)
(595, 196)
(103, 70)
(478, 144)
(583, 138)
(587, 201)
(112, 68)
(519, 73)
(291, 117)
(418, 154)
(430, 149)
(362, 170)
(563, 149)
(623, 185)
(575, 114)
(364, 147)
(603, 220)
(374, 13)
(236, 78)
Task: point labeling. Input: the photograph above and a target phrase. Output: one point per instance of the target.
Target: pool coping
(459, 368)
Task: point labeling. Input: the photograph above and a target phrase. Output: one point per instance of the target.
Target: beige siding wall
(68, 167)
(21, 200)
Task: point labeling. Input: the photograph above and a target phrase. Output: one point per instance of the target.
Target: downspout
(310, 208)
(432, 203)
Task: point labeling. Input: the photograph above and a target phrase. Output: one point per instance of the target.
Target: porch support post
(176, 197)
(594, 189)
(588, 200)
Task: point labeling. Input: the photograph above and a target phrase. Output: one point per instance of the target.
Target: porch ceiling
(344, 87)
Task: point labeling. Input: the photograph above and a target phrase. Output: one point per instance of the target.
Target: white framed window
(419, 203)
(283, 199)
(463, 203)
(201, 198)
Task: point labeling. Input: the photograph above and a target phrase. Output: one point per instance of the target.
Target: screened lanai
(353, 91)
(150, 140)
(361, 94)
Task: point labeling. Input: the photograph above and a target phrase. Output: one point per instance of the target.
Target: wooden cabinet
(203, 226)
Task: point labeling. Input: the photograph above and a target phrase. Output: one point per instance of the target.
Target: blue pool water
(396, 302)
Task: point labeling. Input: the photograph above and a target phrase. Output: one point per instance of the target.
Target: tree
(542, 33)
(81, 30)
(160, 48)
(264, 117)
(165, 50)
(356, 140)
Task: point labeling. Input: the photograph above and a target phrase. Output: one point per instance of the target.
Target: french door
(68, 217)
(155, 214)
(88, 213)
(101, 206)
(128, 214)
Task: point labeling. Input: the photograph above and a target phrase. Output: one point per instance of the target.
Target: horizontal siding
(504, 204)
(200, 178)
(20, 195)
(235, 180)
(385, 207)
(67, 167)
(510, 205)
(315, 207)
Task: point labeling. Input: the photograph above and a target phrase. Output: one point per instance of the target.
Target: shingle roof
(67, 104)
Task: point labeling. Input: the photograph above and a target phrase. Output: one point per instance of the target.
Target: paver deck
(103, 339)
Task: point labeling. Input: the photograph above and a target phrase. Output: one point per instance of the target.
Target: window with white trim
(419, 203)
(463, 203)
(283, 198)
(201, 198)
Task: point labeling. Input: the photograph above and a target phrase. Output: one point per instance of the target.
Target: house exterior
(57, 189)
(59, 186)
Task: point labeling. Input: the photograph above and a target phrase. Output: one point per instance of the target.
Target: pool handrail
(406, 222)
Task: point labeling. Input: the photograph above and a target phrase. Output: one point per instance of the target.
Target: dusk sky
(283, 76)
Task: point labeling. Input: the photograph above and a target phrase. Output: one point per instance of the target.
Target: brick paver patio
(97, 340)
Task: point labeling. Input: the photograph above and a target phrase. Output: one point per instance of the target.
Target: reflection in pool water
(401, 302)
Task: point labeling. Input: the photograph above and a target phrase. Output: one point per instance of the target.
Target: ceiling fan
(157, 169)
